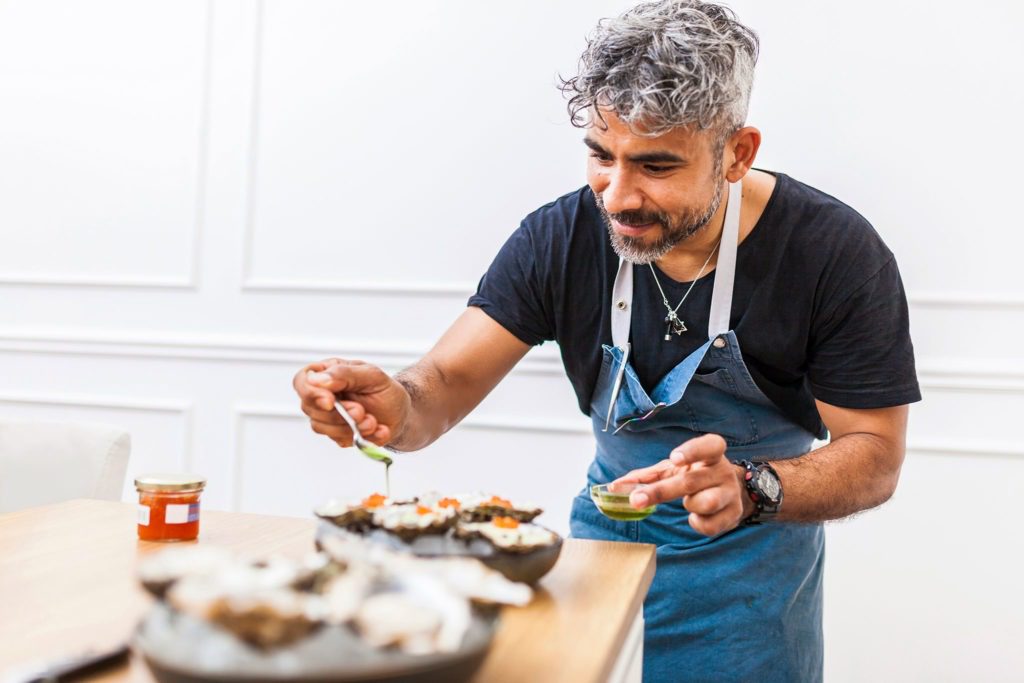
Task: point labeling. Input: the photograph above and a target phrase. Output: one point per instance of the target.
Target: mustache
(633, 218)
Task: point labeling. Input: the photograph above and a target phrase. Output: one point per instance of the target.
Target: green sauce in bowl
(616, 505)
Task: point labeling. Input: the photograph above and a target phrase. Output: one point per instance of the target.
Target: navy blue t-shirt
(818, 305)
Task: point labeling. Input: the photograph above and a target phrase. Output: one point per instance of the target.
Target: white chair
(48, 462)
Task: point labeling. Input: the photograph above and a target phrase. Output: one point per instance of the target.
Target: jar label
(181, 513)
(143, 514)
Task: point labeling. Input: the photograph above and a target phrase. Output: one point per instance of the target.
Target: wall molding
(238, 348)
(447, 290)
(125, 282)
(184, 409)
(959, 300)
(505, 423)
(997, 301)
(988, 449)
(983, 375)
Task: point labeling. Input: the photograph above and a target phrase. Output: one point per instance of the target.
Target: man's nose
(620, 194)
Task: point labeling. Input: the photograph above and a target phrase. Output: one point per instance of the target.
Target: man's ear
(740, 152)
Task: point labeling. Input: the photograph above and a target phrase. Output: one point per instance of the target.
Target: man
(712, 319)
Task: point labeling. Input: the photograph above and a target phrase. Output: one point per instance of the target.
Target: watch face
(769, 485)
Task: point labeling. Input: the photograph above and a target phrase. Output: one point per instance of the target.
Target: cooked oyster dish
(383, 599)
(495, 530)
(414, 519)
(479, 507)
(509, 534)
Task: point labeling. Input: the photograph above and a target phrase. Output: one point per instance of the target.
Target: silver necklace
(673, 323)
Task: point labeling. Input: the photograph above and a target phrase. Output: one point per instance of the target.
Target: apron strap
(721, 297)
(622, 304)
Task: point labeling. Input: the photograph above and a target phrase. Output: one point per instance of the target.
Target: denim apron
(741, 606)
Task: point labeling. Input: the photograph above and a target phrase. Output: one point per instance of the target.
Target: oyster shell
(410, 520)
(257, 612)
(521, 538)
(161, 570)
(479, 507)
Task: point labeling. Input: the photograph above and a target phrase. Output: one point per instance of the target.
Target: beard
(674, 229)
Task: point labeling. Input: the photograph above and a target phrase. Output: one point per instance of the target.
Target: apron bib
(745, 605)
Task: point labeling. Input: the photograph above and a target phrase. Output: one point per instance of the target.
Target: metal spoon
(370, 450)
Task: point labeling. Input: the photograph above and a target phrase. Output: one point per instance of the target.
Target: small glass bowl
(616, 505)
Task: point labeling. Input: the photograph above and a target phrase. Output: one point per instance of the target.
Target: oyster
(411, 520)
(508, 534)
(159, 571)
(257, 609)
(481, 508)
(420, 616)
(471, 579)
(352, 516)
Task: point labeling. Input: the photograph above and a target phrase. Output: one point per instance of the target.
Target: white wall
(196, 199)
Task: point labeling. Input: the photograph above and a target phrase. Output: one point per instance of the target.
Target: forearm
(855, 472)
(451, 380)
(431, 410)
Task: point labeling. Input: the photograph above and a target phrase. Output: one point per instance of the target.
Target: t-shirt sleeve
(513, 290)
(861, 355)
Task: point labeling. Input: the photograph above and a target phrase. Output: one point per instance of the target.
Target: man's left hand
(697, 471)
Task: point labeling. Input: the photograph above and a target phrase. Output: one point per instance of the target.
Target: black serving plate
(182, 649)
(526, 567)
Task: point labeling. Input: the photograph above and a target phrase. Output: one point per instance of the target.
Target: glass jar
(169, 506)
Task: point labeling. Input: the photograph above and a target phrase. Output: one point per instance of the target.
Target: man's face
(653, 192)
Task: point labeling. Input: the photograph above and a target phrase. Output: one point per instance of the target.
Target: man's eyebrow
(596, 147)
(645, 158)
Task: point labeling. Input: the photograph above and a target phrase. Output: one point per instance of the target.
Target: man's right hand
(378, 404)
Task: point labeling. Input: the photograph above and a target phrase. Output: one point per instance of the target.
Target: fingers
(643, 475)
(708, 502)
(339, 433)
(670, 483)
(354, 376)
(708, 449)
(318, 401)
(724, 520)
(312, 394)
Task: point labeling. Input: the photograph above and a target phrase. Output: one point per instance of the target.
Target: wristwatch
(764, 489)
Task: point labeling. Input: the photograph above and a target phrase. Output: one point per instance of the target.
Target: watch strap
(764, 508)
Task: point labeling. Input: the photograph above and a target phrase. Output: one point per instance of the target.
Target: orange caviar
(449, 503)
(374, 500)
(420, 510)
(169, 506)
(506, 522)
(500, 502)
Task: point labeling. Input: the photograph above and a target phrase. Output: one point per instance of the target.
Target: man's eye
(603, 158)
(657, 169)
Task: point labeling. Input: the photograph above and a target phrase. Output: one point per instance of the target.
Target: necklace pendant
(673, 324)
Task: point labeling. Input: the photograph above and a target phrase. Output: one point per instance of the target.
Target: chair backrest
(48, 462)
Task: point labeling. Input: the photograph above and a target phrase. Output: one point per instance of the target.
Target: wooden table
(67, 584)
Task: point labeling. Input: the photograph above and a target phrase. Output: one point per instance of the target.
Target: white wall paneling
(373, 138)
(925, 587)
(106, 129)
(197, 198)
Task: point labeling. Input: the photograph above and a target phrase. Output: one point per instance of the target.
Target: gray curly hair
(667, 64)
